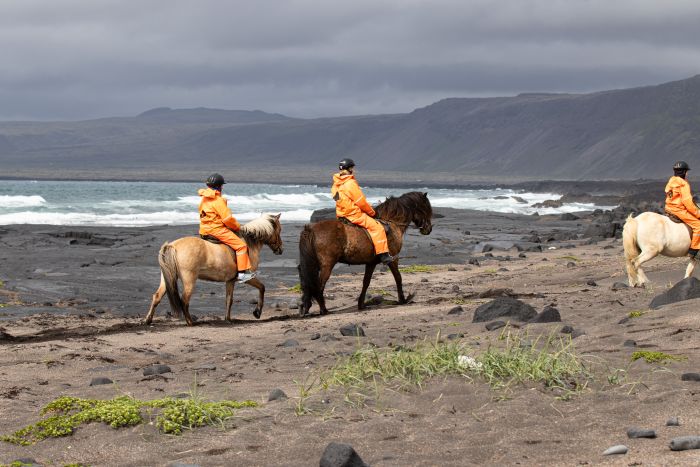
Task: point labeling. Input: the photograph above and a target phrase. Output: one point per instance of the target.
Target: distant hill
(619, 134)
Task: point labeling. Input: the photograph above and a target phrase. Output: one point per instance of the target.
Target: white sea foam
(8, 201)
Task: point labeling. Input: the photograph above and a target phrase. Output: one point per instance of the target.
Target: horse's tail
(167, 258)
(309, 270)
(632, 251)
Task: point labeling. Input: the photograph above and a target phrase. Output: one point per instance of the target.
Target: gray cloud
(73, 59)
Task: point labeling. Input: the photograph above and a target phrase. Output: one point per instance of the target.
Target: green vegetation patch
(416, 268)
(636, 313)
(296, 288)
(656, 357)
(65, 414)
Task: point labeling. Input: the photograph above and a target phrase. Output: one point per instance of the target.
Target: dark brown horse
(326, 243)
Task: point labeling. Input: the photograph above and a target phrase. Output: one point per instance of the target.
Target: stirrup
(245, 276)
(386, 258)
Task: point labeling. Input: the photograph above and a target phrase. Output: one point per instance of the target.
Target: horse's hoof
(324, 312)
(257, 313)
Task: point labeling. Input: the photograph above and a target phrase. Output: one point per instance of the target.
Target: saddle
(385, 224)
(677, 220)
(216, 241)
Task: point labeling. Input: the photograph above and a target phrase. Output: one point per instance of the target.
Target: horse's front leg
(229, 297)
(369, 270)
(394, 268)
(691, 267)
(261, 297)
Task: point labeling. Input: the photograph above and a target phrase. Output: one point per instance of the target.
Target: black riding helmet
(681, 165)
(346, 164)
(215, 181)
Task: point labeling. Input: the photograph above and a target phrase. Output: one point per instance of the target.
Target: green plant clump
(416, 268)
(295, 288)
(67, 413)
(636, 314)
(655, 357)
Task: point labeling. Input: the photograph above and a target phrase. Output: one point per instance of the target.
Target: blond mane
(259, 229)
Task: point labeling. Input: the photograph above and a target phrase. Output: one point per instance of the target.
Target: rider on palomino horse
(216, 220)
(352, 205)
(679, 202)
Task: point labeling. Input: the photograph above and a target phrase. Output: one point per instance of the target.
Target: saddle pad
(384, 224)
(215, 240)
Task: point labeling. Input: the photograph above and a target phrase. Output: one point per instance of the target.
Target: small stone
(451, 268)
(329, 338)
(156, 370)
(629, 343)
(522, 255)
(570, 264)
(315, 336)
(290, 343)
(276, 395)
(592, 283)
(424, 279)
(690, 377)
(340, 455)
(455, 288)
(455, 336)
(488, 255)
(352, 330)
(474, 261)
(619, 286)
(683, 443)
(458, 310)
(493, 325)
(548, 315)
(206, 367)
(641, 433)
(567, 329)
(253, 301)
(623, 320)
(100, 381)
(618, 449)
(673, 421)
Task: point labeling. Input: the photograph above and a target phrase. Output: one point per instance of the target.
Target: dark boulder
(548, 315)
(323, 215)
(504, 307)
(352, 330)
(341, 455)
(604, 230)
(567, 216)
(686, 289)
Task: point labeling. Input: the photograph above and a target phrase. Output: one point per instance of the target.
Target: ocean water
(132, 204)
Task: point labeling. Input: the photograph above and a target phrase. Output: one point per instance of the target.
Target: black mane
(405, 208)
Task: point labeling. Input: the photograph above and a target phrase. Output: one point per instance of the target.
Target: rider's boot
(386, 258)
(245, 276)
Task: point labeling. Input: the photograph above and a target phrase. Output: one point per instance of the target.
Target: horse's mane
(401, 209)
(258, 230)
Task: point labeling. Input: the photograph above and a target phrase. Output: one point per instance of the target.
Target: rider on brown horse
(679, 202)
(352, 205)
(216, 220)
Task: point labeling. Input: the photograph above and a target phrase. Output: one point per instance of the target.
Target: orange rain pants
(351, 204)
(679, 201)
(215, 219)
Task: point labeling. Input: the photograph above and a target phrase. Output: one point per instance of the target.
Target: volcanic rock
(504, 307)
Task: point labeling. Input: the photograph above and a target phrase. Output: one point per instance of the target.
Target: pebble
(690, 377)
(206, 367)
(156, 370)
(592, 283)
(290, 343)
(630, 343)
(570, 264)
(474, 261)
(455, 288)
(340, 455)
(619, 286)
(329, 338)
(618, 449)
(315, 336)
(352, 330)
(522, 255)
(100, 380)
(493, 325)
(276, 395)
(451, 268)
(455, 336)
(683, 443)
(458, 310)
(641, 433)
(424, 280)
(293, 305)
(673, 421)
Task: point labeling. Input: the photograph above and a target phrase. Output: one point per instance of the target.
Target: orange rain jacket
(350, 203)
(215, 219)
(679, 197)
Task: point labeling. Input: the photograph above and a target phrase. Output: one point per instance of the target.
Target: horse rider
(352, 205)
(216, 220)
(679, 202)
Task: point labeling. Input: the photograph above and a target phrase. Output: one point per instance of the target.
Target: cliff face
(620, 134)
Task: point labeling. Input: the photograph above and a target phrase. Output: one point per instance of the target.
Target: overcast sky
(79, 59)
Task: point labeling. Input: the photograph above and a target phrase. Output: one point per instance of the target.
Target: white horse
(650, 234)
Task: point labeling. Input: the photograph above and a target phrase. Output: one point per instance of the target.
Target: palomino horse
(191, 258)
(326, 243)
(650, 234)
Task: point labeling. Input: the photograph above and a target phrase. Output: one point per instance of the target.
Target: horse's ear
(277, 216)
(425, 194)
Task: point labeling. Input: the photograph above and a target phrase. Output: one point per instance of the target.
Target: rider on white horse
(679, 202)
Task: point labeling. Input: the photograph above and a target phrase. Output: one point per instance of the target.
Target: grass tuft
(66, 413)
(650, 356)
(416, 268)
(636, 313)
(295, 288)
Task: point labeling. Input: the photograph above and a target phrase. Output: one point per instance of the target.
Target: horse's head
(423, 214)
(275, 240)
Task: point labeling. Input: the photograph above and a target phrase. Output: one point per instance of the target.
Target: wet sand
(74, 297)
